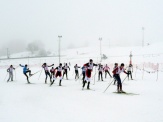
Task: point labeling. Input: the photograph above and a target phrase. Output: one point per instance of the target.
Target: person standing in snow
(115, 66)
(76, 71)
(10, 71)
(66, 67)
(47, 73)
(116, 76)
(106, 69)
(25, 71)
(59, 73)
(52, 71)
(89, 69)
(100, 72)
(129, 71)
(83, 72)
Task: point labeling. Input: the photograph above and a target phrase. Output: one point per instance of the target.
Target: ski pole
(40, 74)
(94, 76)
(73, 73)
(15, 71)
(124, 79)
(6, 76)
(37, 72)
(15, 74)
(16, 67)
(34, 73)
(108, 86)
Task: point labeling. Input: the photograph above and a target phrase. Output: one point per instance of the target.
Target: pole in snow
(142, 36)
(59, 48)
(100, 39)
(130, 58)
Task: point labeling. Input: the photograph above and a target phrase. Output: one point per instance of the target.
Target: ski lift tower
(100, 39)
(59, 53)
(130, 58)
(143, 36)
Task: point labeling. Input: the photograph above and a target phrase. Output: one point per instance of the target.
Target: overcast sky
(80, 22)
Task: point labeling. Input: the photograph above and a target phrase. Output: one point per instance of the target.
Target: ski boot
(52, 83)
(84, 82)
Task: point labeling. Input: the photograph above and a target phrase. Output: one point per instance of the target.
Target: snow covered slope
(37, 102)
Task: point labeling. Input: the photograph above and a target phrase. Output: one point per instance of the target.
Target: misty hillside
(152, 53)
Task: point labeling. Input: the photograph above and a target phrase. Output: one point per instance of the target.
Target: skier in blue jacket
(25, 71)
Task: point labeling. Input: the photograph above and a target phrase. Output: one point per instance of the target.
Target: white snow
(37, 102)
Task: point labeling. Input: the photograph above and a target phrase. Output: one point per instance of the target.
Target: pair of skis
(111, 83)
(125, 93)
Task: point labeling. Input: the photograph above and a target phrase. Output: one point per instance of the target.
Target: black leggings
(106, 71)
(52, 74)
(119, 83)
(29, 71)
(129, 74)
(100, 74)
(76, 74)
(65, 72)
(83, 76)
(47, 73)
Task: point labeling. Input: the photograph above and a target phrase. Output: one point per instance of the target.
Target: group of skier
(87, 69)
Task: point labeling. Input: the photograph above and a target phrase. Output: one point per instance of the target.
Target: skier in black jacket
(76, 71)
(66, 67)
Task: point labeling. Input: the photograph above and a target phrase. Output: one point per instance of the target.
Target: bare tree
(42, 52)
(35, 46)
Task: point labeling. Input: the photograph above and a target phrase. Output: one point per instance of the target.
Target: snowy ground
(37, 102)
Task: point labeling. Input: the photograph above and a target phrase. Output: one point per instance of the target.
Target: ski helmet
(91, 60)
(122, 64)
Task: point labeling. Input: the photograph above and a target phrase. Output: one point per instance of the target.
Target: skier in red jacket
(89, 67)
(116, 75)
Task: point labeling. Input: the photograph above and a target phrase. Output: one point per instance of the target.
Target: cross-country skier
(66, 67)
(116, 76)
(76, 71)
(52, 71)
(100, 72)
(89, 69)
(83, 72)
(10, 71)
(47, 73)
(25, 71)
(129, 71)
(59, 73)
(115, 66)
(106, 69)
